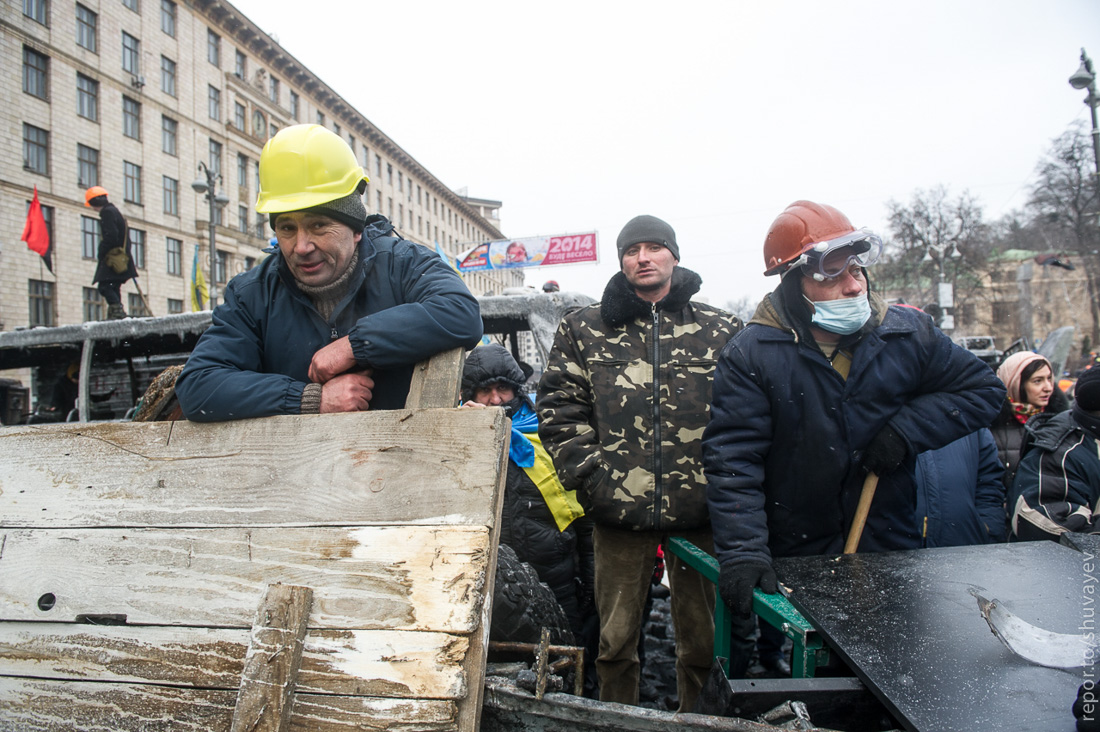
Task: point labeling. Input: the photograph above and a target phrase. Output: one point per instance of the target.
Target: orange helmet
(795, 232)
(93, 192)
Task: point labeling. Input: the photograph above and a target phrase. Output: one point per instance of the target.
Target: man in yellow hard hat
(337, 317)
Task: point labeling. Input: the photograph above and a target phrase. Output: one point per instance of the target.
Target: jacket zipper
(658, 468)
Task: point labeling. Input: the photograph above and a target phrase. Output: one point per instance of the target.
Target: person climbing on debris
(114, 265)
(1057, 482)
(542, 522)
(825, 384)
(622, 405)
(337, 318)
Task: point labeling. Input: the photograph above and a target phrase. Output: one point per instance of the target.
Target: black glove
(886, 452)
(736, 581)
(1087, 710)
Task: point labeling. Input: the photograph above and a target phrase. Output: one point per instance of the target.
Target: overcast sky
(713, 116)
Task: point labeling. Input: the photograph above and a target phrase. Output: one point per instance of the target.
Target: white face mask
(842, 317)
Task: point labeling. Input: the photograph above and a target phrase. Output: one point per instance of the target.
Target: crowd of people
(659, 416)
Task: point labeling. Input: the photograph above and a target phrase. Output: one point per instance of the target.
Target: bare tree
(743, 307)
(935, 238)
(1065, 202)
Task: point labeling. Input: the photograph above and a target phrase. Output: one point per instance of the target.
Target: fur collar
(620, 304)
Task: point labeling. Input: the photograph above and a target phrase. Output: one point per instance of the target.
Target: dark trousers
(111, 292)
(624, 568)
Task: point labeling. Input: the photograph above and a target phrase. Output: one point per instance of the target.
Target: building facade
(133, 95)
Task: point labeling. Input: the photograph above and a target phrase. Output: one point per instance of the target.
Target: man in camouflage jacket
(622, 406)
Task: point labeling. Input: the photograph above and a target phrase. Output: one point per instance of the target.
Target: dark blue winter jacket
(784, 446)
(404, 305)
(960, 494)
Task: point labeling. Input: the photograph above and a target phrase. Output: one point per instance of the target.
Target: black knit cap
(491, 364)
(1087, 390)
(348, 210)
(647, 229)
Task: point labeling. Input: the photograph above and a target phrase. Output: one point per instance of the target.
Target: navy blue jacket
(960, 494)
(404, 305)
(783, 449)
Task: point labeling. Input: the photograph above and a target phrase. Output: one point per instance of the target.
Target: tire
(523, 606)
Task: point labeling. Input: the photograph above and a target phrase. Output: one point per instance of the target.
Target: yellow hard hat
(304, 166)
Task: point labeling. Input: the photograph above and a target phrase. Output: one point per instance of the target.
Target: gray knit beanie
(647, 229)
(348, 210)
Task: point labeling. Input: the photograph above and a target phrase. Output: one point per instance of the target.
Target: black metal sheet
(908, 626)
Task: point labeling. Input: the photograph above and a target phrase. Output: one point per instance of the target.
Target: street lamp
(945, 293)
(216, 201)
(1085, 78)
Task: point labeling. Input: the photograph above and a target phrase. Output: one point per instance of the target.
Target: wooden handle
(864, 507)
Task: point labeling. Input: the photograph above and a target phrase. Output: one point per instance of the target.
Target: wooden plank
(39, 705)
(436, 382)
(426, 466)
(402, 577)
(381, 663)
(270, 674)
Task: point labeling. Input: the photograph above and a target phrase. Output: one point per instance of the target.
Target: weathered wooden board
(435, 382)
(43, 705)
(402, 577)
(388, 663)
(432, 466)
(178, 529)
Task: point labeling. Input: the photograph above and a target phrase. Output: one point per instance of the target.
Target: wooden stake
(864, 507)
(270, 674)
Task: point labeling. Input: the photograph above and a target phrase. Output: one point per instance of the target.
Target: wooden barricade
(324, 572)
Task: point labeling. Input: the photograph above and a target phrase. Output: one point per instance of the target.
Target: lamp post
(1085, 78)
(216, 201)
(945, 293)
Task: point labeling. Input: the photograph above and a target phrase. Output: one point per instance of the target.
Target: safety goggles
(832, 258)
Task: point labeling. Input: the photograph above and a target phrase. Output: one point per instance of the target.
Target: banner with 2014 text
(533, 251)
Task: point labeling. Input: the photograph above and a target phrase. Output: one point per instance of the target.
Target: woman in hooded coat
(1032, 395)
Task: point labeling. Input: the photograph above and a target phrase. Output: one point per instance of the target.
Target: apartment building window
(351, 143)
(169, 131)
(418, 194)
(131, 182)
(214, 102)
(240, 64)
(259, 123)
(167, 75)
(35, 73)
(136, 306)
(171, 196)
(87, 166)
(174, 253)
(131, 118)
(242, 219)
(35, 10)
(137, 247)
(213, 48)
(221, 266)
(378, 207)
(389, 173)
(87, 97)
(131, 53)
(93, 304)
(175, 307)
(242, 170)
(36, 149)
(273, 89)
(132, 5)
(89, 237)
(273, 130)
(419, 225)
(261, 220)
(40, 301)
(215, 160)
(294, 104)
(400, 215)
(389, 208)
(400, 181)
(320, 118)
(337, 130)
(378, 169)
(168, 17)
(249, 263)
(87, 24)
(238, 116)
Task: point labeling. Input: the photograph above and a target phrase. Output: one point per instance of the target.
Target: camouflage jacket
(624, 399)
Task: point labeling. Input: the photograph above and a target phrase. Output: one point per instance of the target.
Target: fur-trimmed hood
(620, 304)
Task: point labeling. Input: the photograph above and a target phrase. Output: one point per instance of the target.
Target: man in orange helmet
(115, 265)
(824, 385)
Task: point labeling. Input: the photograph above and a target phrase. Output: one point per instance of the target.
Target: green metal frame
(809, 649)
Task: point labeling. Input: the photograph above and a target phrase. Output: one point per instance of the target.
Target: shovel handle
(864, 508)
